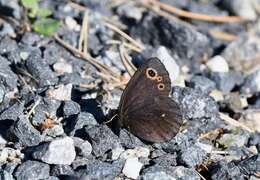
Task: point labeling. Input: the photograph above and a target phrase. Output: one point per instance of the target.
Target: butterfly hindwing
(145, 107)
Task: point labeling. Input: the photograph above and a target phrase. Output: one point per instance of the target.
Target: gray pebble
(25, 133)
(58, 151)
(32, 170)
(102, 139)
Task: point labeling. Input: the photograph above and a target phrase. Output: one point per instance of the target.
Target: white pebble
(169, 62)
(62, 92)
(62, 67)
(132, 168)
(218, 64)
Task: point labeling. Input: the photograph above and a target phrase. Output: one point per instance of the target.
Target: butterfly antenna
(111, 119)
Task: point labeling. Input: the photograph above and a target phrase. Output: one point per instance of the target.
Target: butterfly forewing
(145, 108)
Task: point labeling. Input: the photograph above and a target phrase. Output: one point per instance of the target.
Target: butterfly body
(145, 107)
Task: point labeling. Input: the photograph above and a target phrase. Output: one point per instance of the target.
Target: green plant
(41, 22)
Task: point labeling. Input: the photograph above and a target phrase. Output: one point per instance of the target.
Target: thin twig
(85, 21)
(223, 35)
(123, 34)
(191, 15)
(124, 61)
(89, 59)
(233, 122)
(125, 44)
(33, 108)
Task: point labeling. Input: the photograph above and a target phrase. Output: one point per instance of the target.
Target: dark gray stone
(188, 43)
(32, 170)
(46, 105)
(102, 139)
(70, 108)
(7, 45)
(202, 83)
(25, 133)
(227, 81)
(103, 170)
(251, 84)
(39, 68)
(82, 120)
(12, 112)
(128, 140)
(193, 156)
(83, 148)
(59, 170)
(30, 38)
(7, 77)
(195, 104)
(224, 170)
(250, 166)
(4, 175)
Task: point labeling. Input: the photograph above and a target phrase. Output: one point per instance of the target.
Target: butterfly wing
(157, 120)
(145, 107)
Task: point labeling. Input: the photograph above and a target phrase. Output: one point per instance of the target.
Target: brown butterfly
(145, 107)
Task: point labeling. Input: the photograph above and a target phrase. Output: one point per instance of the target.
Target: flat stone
(58, 151)
(132, 168)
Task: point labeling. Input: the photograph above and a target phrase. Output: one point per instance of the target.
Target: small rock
(136, 152)
(166, 160)
(132, 168)
(71, 23)
(169, 62)
(46, 106)
(32, 170)
(70, 108)
(59, 170)
(194, 103)
(82, 120)
(202, 83)
(83, 148)
(25, 133)
(2, 93)
(193, 156)
(226, 170)
(62, 92)
(242, 8)
(181, 172)
(250, 165)
(128, 140)
(8, 77)
(242, 53)
(217, 95)
(39, 68)
(58, 151)
(218, 64)
(12, 112)
(157, 176)
(4, 175)
(227, 81)
(252, 83)
(62, 68)
(135, 13)
(250, 118)
(102, 139)
(56, 130)
(103, 170)
(238, 140)
(7, 45)
(116, 153)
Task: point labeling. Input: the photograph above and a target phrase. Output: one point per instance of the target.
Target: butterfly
(145, 108)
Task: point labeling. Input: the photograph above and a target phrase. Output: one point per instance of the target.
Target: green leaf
(46, 26)
(43, 12)
(32, 4)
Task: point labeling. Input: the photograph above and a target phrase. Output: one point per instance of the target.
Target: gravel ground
(57, 95)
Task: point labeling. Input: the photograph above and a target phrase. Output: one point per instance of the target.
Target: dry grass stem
(124, 35)
(125, 61)
(191, 15)
(233, 122)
